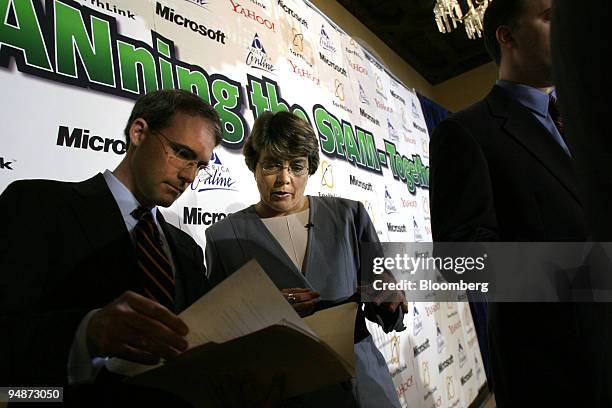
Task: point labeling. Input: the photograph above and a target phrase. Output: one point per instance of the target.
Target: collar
(124, 197)
(528, 96)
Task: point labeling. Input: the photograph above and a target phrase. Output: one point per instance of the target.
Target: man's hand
(136, 328)
(303, 300)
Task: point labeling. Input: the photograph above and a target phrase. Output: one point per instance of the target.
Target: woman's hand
(303, 300)
(391, 300)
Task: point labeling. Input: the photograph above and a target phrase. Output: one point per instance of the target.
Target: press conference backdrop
(70, 70)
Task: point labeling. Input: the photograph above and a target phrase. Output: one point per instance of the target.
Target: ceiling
(408, 28)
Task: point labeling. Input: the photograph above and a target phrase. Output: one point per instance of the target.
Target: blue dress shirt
(537, 103)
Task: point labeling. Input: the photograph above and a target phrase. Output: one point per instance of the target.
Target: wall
(454, 94)
(462, 91)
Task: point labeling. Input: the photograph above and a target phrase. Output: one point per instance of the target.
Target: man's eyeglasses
(296, 168)
(182, 158)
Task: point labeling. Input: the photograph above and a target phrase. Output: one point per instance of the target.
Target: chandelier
(448, 14)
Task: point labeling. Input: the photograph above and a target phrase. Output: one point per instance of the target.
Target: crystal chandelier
(448, 14)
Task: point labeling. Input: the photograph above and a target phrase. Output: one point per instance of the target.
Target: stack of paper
(246, 341)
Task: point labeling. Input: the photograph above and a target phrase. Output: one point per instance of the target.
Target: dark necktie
(153, 263)
(555, 115)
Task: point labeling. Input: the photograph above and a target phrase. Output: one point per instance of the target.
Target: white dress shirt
(82, 368)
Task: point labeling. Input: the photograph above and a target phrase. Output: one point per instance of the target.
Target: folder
(246, 342)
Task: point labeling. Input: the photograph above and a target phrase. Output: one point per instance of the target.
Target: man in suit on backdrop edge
(502, 171)
(99, 273)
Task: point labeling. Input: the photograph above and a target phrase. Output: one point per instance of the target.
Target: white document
(245, 302)
(334, 326)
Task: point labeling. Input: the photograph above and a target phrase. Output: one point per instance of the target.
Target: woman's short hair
(283, 135)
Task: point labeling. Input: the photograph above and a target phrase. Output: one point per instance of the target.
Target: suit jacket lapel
(102, 224)
(520, 123)
(312, 231)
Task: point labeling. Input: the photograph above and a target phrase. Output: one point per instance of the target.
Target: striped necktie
(555, 114)
(153, 263)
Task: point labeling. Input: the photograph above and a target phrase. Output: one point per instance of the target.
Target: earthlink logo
(6, 164)
(327, 175)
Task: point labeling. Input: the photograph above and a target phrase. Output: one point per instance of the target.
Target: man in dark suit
(501, 171)
(91, 270)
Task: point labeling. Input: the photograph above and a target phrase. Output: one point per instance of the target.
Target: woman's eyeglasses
(296, 168)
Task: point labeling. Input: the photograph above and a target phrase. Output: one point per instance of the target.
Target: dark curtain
(432, 112)
(580, 40)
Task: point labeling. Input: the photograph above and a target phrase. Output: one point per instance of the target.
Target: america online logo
(417, 322)
(362, 95)
(325, 42)
(201, 3)
(390, 207)
(218, 178)
(257, 56)
(392, 132)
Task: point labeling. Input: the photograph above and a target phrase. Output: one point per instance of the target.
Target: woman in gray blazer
(309, 246)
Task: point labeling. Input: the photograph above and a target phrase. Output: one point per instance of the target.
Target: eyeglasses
(181, 158)
(296, 168)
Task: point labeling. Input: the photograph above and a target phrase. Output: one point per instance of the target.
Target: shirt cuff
(81, 367)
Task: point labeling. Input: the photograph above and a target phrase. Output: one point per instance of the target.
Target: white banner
(70, 71)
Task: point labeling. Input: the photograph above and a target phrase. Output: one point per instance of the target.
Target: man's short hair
(499, 13)
(284, 135)
(157, 108)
